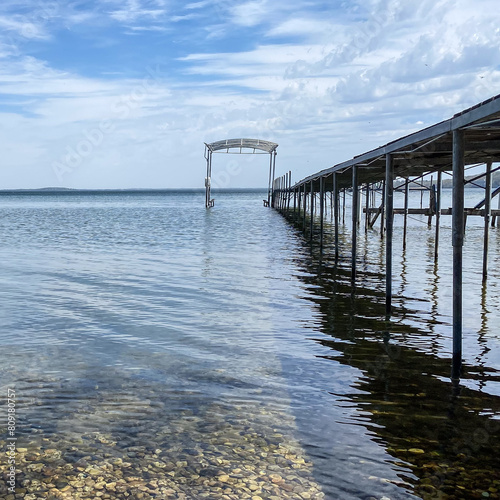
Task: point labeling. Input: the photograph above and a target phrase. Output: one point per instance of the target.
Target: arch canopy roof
(268, 147)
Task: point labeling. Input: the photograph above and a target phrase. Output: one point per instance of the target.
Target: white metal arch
(245, 146)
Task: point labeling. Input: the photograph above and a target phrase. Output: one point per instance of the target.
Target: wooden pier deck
(469, 138)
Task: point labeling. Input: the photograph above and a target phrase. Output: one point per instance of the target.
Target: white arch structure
(242, 146)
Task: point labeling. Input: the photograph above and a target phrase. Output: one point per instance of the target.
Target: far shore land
(447, 184)
(63, 190)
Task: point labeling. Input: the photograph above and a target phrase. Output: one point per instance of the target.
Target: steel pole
(405, 223)
(487, 215)
(321, 210)
(457, 241)
(354, 221)
(312, 211)
(305, 209)
(269, 195)
(336, 215)
(389, 214)
(438, 213)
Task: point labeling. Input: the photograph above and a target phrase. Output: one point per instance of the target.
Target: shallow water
(159, 350)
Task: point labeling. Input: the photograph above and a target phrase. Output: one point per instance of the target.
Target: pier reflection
(448, 436)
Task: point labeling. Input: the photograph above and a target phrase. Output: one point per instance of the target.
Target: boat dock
(470, 139)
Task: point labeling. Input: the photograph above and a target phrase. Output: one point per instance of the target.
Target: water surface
(162, 350)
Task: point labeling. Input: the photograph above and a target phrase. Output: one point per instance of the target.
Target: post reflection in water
(447, 434)
(482, 334)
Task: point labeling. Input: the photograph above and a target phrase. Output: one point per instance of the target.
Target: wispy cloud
(23, 26)
(304, 27)
(149, 28)
(198, 5)
(250, 13)
(131, 11)
(185, 17)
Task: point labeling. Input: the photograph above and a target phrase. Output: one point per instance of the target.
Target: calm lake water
(160, 350)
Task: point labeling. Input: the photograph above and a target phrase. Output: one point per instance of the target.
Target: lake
(156, 349)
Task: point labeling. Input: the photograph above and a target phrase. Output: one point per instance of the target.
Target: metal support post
(458, 241)
(312, 211)
(305, 209)
(382, 213)
(438, 213)
(354, 221)
(389, 212)
(336, 215)
(487, 215)
(321, 210)
(367, 207)
(405, 226)
(273, 162)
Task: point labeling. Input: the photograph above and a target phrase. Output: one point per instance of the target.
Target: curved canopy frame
(257, 146)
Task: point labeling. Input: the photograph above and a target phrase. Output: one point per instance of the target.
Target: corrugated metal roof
(428, 150)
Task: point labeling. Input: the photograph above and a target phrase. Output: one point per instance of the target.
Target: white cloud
(304, 27)
(186, 17)
(149, 28)
(198, 5)
(250, 13)
(32, 77)
(23, 26)
(131, 11)
(75, 18)
(265, 59)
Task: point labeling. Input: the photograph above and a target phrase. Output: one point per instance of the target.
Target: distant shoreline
(71, 191)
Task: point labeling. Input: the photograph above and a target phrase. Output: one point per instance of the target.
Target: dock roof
(426, 151)
(255, 144)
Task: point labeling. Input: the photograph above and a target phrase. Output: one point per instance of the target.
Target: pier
(470, 139)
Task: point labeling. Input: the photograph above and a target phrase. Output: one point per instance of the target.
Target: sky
(124, 93)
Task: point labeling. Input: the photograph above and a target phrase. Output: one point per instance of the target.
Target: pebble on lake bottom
(193, 457)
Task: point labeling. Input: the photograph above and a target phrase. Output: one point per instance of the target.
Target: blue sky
(123, 93)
